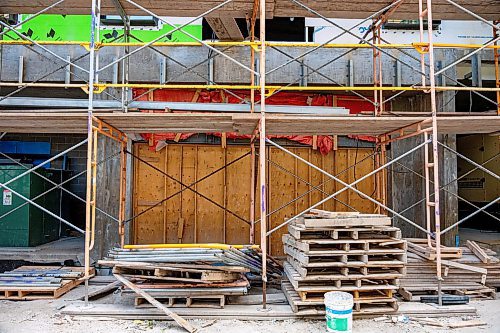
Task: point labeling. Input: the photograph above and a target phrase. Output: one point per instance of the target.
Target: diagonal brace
(350, 186)
(188, 187)
(185, 188)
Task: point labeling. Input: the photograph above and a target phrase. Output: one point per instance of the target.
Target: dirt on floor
(44, 317)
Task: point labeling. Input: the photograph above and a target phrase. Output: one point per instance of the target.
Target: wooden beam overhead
(225, 28)
(357, 9)
(284, 124)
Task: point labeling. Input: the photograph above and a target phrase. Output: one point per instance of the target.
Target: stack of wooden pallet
(470, 270)
(39, 282)
(332, 251)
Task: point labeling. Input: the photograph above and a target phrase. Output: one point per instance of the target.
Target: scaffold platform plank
(138, 122)
(280, 8)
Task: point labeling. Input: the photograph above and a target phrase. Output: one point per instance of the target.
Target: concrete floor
(68, 248)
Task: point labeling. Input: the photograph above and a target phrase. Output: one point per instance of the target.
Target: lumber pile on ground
(332, 251)
(471, 270)
(39, 282)
(194, 277)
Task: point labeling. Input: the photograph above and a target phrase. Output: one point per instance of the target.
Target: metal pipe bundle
(215, 256)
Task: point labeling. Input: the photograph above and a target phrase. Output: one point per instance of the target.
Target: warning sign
(7, 198)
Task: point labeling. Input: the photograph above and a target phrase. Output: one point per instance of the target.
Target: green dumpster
(27, 225)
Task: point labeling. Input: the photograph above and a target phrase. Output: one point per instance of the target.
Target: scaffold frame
(257, 85)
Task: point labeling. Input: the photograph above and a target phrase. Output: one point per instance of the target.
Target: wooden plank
(107, 289)
(238, 184)
(285, 124)
(478, 251)
(149, 187)
(464, 266)
(176, 224)
(281, 8)
(467, 323)
(210, 218)
(281, 190)
(188, 205)
(179, 320)
(346, 222)
(225, 28)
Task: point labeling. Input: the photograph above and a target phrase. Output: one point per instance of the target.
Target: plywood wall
(190, 218)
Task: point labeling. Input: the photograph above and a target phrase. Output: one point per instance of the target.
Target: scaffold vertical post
(94, 12)
(435, 153)
(496, 55)
(123, 190)
(253, 19)
(262, 147)
(421, 15)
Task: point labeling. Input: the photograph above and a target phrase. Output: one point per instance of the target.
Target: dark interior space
(283, 29)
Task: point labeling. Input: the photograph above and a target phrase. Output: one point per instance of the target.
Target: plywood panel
(209, 217)
(205, 222)
(282, 190)
(238, 184)
(342, 171)
(149, 189)
(189, 198)
(173, 206)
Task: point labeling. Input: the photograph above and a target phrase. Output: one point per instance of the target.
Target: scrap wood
(178, 319)
(480, 270)
(478, 251)
(427, 321)
(103, 291)
(467, 323)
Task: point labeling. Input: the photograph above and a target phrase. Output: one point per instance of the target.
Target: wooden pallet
(322, 219)
(308, 284)
(163, 274)
(413, 292)
(347, 260)
(420, 247)
(37, 292)
(343, 246)
(348, 273)
(33, 293)
(202, 301)
(378, 304)
(301, 232)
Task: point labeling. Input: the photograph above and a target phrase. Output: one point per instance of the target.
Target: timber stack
(469, 270)
(186, 277)
(337, 251)
(39, 282)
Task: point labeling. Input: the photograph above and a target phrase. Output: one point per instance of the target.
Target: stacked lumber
(467, 271)
(198, 277)
(39, 282)
(330, 251)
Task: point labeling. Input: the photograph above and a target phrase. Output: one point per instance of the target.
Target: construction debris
(331, 251)
(187, 277)
(473, 272)
(169, 276)
(39, 282)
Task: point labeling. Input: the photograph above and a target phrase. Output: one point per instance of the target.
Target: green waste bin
(28, 225)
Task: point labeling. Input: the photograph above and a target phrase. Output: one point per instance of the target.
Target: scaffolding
(428, 127)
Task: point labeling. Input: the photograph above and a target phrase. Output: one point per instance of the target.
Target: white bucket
(338, 307)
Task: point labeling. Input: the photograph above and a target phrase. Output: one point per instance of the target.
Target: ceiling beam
(225, 28)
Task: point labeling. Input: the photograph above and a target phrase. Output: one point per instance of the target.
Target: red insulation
(324, 142)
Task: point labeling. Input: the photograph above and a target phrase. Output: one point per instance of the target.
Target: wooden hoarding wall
(190, 218)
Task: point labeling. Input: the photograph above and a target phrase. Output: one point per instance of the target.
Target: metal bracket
(98, 88)
(422, 48)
